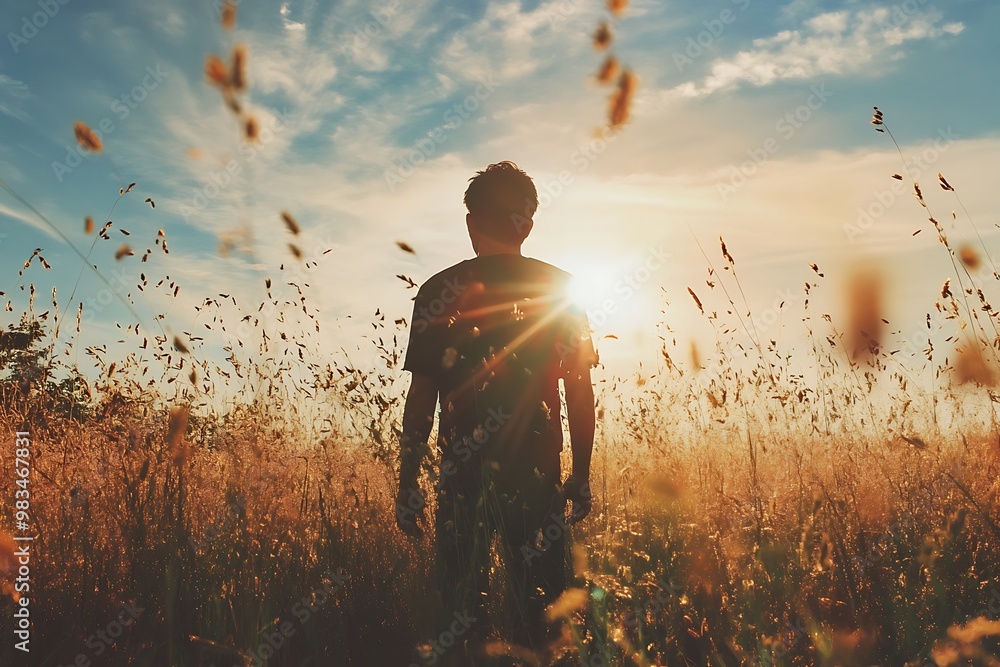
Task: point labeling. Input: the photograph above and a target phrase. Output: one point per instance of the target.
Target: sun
(587, 287)
(615, 302)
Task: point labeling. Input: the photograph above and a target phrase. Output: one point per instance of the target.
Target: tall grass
(761, 516)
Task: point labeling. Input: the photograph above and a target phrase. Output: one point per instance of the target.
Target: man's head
(502, 201)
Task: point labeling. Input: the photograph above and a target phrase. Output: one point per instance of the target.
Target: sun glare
(615, 302)
(585, 288)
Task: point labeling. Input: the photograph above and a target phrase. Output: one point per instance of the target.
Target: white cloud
(168, 19)
(27, 218)
(288, 65)
(831, 22)
(290, 25)
(831, 43)
(512, 43)
(367, 35)
(12, 93)
(797, 8)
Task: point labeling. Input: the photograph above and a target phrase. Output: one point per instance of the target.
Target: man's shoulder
(547, 278)
(553, 272)
(445, 279)
(457, 276)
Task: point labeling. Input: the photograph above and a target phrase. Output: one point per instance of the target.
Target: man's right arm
(418, 419)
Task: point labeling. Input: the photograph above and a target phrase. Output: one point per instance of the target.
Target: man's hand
(410, 504)
(577, 491)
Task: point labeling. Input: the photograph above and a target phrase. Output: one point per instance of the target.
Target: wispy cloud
(12, 94)
(839, 43)
(513, 42)
(27, 218)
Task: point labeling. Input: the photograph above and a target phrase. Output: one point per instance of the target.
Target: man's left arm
(577, 358)
(580, 412)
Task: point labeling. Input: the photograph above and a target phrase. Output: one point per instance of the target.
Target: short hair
(503, 198)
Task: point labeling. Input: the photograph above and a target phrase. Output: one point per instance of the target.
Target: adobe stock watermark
(556, 13)
(665, 591)
(428, 310)
(367, 30)
(788, 637)
(771, 315)
(628, 284)
(585, 154)
(555, 529)
(122, 107)
(883, 200)
(625, 287)
(786, 127)
(108, 636)
(880, 545)
(992, 608)
(431, 652)
(919, 341)
(890, 20)
(462, 450)
(759, 324)
(303, 610)
(30, 25)
(453, 118)
(467, 447)
(270, 310)
(696, 45)
(233, 512)
(218, 180)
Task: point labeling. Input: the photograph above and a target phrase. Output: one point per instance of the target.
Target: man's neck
(497, 249)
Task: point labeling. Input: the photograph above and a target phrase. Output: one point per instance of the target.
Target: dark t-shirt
(496, 333)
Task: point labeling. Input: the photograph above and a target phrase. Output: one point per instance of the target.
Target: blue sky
(750, 121)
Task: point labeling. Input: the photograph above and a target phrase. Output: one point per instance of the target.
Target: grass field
(745, 515)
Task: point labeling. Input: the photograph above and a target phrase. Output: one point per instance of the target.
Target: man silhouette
(490, 339)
